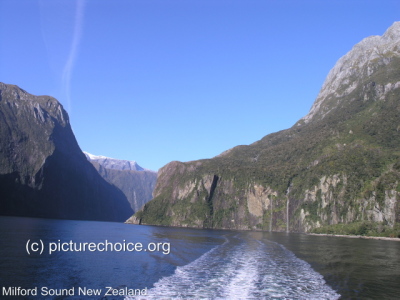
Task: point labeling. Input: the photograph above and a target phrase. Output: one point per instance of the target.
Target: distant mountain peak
(113, 163)
(134, 181)
(97, 157)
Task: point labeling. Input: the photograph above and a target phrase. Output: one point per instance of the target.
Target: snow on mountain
(116, 164)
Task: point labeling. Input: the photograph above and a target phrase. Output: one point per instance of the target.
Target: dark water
(209, 264)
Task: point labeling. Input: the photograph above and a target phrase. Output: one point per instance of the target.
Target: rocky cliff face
(338, 164)
(43, 172)
(365, 59)
(134, 181)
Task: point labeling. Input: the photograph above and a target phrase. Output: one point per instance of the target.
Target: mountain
(112, 163)
(340, 164)
(135, 182)
(43, 172)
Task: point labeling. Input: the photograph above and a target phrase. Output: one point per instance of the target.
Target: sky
(161, 80)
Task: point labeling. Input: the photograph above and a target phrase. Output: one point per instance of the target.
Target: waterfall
(287, 214)
(270, 219)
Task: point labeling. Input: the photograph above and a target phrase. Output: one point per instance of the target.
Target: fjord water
(211, 264)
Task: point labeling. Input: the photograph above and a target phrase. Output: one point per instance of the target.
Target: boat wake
(244, 268)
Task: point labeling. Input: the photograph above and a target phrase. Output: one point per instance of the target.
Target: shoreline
(357, 236)
(259, 230)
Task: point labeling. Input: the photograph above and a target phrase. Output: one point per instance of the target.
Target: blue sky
(157, 80)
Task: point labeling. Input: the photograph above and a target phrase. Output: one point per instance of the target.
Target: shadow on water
(62, 270)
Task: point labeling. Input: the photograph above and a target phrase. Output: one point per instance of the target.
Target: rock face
(371, 54)
(338, 164)
(134, 181)
(43, 172)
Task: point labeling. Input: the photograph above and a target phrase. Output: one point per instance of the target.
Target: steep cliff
(135, 182)
(338, 164)
(43, 172)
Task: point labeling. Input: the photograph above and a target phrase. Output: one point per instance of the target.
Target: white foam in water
(242, 278)
(244, 269)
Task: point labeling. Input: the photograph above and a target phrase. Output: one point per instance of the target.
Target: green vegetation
(365, 228)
